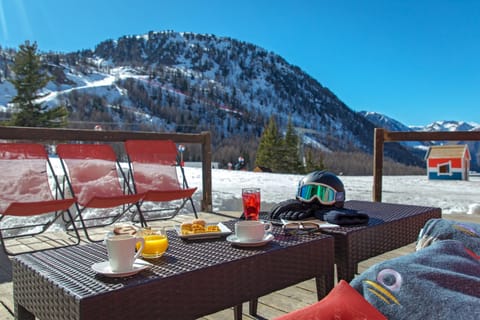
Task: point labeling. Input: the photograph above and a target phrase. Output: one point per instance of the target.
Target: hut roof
(448, 151)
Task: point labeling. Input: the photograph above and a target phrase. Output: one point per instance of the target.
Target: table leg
(253, 305)
(325, 284)
(346, 271)
(237, 312)
(22, 314)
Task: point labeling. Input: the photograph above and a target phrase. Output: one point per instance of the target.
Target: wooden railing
(204, 139)
(382, 136)
(48, 135)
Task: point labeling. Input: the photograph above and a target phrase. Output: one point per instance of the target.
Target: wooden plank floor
(270, 306)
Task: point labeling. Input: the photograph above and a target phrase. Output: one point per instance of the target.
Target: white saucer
(235, 241)
(104, 268)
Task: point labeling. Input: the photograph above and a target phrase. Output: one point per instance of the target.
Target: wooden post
(207, 172)
(378, 165)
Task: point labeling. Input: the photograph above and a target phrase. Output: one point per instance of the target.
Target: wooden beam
(50, 134)
(389, 136)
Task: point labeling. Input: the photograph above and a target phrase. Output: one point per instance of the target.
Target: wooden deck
(270, 306)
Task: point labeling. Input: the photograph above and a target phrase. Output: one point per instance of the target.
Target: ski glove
(291, 209)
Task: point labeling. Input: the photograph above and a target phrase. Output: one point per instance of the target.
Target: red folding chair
(92, 175)
(27, 204)
(153, 170)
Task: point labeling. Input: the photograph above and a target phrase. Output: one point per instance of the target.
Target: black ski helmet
(309, 186)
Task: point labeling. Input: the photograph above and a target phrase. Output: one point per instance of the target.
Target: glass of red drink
(251, 203)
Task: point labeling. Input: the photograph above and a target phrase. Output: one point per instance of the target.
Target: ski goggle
(325, 194)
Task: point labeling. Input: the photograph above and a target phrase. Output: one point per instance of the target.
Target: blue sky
(417, 61)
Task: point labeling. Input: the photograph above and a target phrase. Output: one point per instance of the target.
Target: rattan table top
(193, 278)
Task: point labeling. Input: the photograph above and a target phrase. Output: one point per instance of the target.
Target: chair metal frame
(158, 154)
(30, 161)
(88, 168)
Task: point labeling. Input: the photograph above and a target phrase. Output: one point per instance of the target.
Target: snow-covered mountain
(179, 80)
(383, 121)
(448, 126)
(186, 82)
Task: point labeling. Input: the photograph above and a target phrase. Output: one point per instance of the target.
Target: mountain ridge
(188, 82)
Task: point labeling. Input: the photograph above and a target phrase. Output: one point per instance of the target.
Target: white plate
(104, 268)
(224, 231)
(235, 241)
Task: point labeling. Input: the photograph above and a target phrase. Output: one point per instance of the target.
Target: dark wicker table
(193, 279)
(390, 227)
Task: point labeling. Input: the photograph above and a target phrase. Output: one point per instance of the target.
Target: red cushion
(342, 303)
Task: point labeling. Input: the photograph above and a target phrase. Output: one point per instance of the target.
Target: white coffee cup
(121, 251)
(252, 230)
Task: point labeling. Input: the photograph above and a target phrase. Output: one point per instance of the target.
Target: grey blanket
(441, 281)
(442, 229)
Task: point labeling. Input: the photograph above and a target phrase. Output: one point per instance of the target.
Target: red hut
(448, 162)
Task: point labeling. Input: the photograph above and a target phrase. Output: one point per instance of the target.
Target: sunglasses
(294, 228)
(325, 194)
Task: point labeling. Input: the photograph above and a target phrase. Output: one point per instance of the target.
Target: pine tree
(281, 154)
(29, 80)
(312, 162)
(291, 154)
(268, 147)
(288, 153)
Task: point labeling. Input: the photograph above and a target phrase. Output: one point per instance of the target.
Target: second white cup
(121, 252)
(251, 230)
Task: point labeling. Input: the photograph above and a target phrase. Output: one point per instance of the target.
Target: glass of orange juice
(156, 242)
